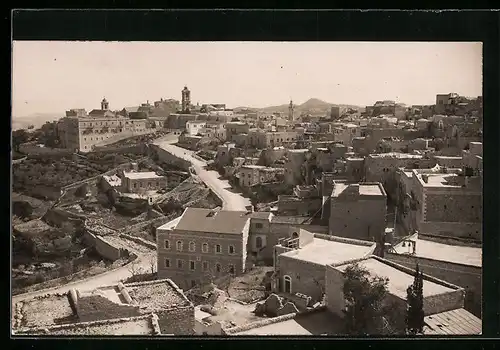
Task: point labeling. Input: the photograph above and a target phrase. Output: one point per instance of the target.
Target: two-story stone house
(204, 245)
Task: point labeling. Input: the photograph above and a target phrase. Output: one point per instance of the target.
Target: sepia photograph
(246, 188)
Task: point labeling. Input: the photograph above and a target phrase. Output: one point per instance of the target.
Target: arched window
(167, 244)
(217, 248)
(295, 235)
(287, 282)
(258, 242)
(192, 247)
(204, 248)
(179, 246)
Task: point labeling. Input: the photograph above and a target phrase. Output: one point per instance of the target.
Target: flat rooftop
(142, 325)
(141, 175)
(398, 280)
(47, 310)
(207, 220)
(157, 295)
(454, 322)
(438, 180)
(313, 323)
(325, 252)
(113, 180)
(364, 189)
(250, 166)
(395, 155)
(459, 254)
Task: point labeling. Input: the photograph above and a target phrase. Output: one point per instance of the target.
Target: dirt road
(231, 200)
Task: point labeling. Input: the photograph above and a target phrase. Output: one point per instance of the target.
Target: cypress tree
(415, 301)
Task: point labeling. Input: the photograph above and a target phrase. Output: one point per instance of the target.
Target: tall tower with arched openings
(290, 111)
(104, 104)
(186, 99)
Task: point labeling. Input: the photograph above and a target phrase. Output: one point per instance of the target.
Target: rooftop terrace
(323, 252)
(459, 254)
(399, 280)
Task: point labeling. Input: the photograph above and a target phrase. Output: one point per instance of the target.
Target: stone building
(447, 204)
(193, 127)
(439, 296)
(451, 260)
(235, 128)
(358, 210)
(380, 167)
(82, 132)
(136, 182)
(300, 260)
(266, 229)
(263, 140)
(250, 175)
(294, 173)
(205, 244)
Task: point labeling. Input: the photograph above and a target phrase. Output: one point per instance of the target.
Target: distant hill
(36, 119)
(313, 106)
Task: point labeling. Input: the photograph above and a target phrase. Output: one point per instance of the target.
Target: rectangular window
(258, 225)
(167, 263)
(179, 263)
(205, 266)
(231, 269)
(135, 185)
(192, 265)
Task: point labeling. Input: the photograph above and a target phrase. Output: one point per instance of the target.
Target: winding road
(230, 200)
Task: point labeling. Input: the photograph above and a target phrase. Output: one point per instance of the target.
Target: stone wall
(178, 321)
(140, 148)
(467, 277)
(307, 278)
(108, 250)
(444, 302)
(169, 158)
(449, 162)
(292, 205)
(454, 208)
(56, 216)
(361, 219)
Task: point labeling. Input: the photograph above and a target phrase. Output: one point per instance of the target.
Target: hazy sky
(56, 76)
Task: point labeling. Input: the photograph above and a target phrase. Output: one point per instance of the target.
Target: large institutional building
(81, 131)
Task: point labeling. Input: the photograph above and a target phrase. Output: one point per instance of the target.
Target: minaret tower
(186, 99)
(290, 111)
(104, 104)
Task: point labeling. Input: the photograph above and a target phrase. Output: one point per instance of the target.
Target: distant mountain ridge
(313, 105)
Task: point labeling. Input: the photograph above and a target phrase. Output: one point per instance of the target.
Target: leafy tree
(19, 137)
(415, 300)
(364, 295)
